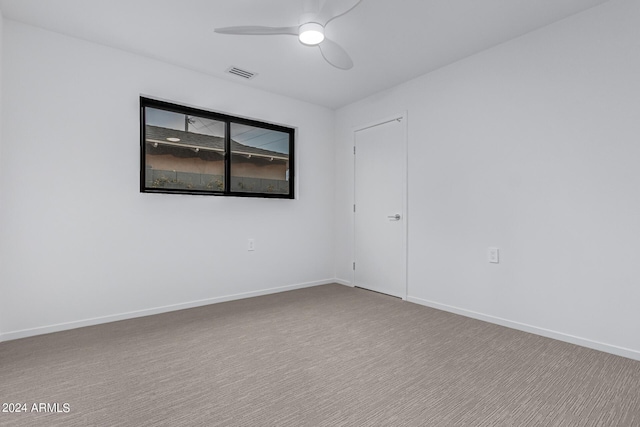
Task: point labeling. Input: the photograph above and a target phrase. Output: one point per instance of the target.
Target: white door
(379, 211)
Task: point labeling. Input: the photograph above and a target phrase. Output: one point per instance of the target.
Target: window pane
(183, 151)
(259, 160)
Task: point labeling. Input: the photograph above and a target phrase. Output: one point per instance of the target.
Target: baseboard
(607, 348)
(343, 282)
(24, 333)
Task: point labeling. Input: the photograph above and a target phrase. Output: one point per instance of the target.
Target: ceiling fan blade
(333, 9)
(257, 30)
(335, 55)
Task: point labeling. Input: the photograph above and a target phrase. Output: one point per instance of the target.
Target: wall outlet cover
(493, 255)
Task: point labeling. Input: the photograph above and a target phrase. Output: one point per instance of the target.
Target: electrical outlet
(493, 255)
(251, 245)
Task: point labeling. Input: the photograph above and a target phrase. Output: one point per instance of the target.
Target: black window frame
(228, 120)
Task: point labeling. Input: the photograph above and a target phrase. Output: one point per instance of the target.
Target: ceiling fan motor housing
(311, 33)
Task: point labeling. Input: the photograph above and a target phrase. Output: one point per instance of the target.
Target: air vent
(241, 73)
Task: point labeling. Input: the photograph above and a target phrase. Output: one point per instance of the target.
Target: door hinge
(354, 208)
(354, 149)
(354, 265)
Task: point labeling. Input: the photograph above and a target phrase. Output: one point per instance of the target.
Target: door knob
(395, 217)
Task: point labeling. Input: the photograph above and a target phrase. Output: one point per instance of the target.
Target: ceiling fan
(310, 30)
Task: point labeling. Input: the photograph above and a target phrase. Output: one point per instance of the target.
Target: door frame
(403, 143)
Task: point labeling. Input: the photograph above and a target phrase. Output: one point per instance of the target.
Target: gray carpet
(323, 356)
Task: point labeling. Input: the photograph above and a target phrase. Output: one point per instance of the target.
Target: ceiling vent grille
(241, 73)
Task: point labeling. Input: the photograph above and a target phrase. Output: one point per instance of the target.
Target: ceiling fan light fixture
(311, 33)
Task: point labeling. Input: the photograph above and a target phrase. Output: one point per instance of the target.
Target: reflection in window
(183, 152)
(259, 160)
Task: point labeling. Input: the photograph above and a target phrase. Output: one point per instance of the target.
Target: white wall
(533, 147)
(79, 242)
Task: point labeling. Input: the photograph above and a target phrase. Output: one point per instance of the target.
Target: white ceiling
(390, 41)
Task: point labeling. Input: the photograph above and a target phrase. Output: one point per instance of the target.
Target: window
(190, 151)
